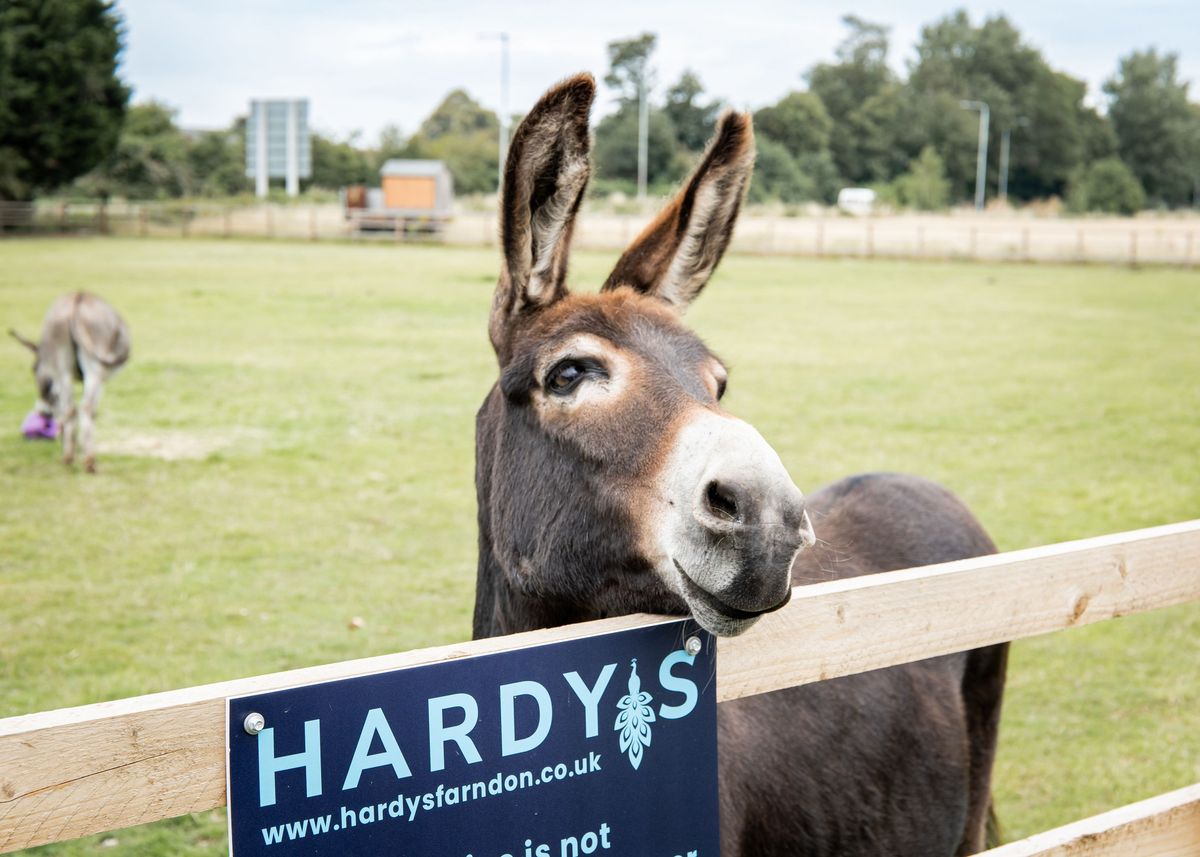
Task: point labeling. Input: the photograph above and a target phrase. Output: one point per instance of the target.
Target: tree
(392, 144)
(629, 66)
(693, 121)
(777, 176)
(61, 102)
(337, 163)
(1158, 134)
(150, 160)
(924, 186)
(1107, 185)
(615, 151)
(822, 175)
(880, 129)
(218, 161)
(460, 115)
(798, 121)
(860, 73)
(464, 134)
(1052, 130)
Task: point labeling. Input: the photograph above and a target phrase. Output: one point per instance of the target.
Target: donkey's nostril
(721, 501)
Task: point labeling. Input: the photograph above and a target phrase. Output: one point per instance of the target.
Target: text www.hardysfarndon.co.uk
(407, 807)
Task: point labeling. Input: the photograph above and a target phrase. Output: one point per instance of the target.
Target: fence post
(821, 237)
(974, 236)
(185, 222)
(1079, 248)
(1025, 244)
(870, 238)
(102, 219)
(312, 223)
(143, 221)
(1133, 247)
(62, 217)
(398, 229)
(1187, 253)
(227, 221)
(270, 221)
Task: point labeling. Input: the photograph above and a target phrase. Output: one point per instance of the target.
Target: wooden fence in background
(1165, 240)
(84, 770)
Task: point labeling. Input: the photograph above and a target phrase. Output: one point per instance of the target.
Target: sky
(366, 64)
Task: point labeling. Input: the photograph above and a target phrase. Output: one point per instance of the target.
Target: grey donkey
(85, 339)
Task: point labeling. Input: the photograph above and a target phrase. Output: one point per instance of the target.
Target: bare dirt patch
(173, 445)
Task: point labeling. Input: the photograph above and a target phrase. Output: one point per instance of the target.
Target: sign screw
(693, 646)
(254, 723)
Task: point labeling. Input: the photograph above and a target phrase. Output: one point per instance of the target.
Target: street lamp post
(643, 136)
(981, 156)
(1005, 139)
(503, 142)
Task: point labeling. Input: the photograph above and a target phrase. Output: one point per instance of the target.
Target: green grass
(326, 395)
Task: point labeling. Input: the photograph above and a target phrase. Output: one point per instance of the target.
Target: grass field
(291, 447)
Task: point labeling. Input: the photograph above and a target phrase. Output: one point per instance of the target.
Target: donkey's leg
(983, 690)
(92, 386)
(68, 419)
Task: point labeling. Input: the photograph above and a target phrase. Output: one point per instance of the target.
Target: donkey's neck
(502, 609)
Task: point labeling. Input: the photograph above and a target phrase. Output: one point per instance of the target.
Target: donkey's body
(895, 761)
(610, 480)
(83, 339)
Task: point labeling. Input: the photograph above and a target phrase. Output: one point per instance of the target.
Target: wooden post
(143, 221)
(1025, 244)
(62, 217)
(312, 223)
(1133, 247)
(270, 221)
(870, 238)
(398, 229)
(1079, 248)
(185, 222)
(971, 247)
(921, 240)
(102, 219)
(1187, 252)
(227, 218)
(821, 237)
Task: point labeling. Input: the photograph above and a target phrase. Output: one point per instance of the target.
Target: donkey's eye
(720, 388)
(567, 374)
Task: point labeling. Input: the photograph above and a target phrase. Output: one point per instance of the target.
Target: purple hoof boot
(39, 426)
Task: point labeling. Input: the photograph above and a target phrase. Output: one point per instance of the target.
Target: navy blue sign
(604, 745)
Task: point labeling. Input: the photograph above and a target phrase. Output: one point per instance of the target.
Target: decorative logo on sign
(635, 718)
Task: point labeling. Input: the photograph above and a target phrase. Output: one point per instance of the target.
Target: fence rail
(1173, 240)
(1164, 826)
(93, 768)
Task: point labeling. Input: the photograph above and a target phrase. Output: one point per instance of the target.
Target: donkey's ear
(32, 346)
(676, 254)
(544, 180)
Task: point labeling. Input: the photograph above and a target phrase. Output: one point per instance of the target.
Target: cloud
(365, 64)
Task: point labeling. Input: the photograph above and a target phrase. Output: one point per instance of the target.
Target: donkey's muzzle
(736, 524)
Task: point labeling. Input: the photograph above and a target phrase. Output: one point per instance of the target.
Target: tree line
(66, 125)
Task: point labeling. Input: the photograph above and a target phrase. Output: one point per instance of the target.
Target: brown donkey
(610, 480)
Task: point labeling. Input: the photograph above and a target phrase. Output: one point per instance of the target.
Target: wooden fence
(84, 770)
(1154, 240)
